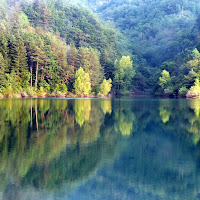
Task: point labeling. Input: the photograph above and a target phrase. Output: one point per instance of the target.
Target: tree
(72, 59)
(105, 86)
(165, 79)
(124, 73)
(89, 60)
(19, 60)
(3, 67)
(38, 57)
(82, 83)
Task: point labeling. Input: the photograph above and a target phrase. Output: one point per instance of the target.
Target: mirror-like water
(99, 149)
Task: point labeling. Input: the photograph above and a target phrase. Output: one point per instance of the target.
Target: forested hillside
(49, 47)
(163, 26)
(86, 47)
(165, 34)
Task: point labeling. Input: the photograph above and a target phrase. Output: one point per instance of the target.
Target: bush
(44, 86)
(8, 92)
(169, 91)
(183, 91)
(42, 92)
(30, 91)
(63, 88)
(16, 95)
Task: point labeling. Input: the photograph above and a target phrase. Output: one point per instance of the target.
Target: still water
(94, 149)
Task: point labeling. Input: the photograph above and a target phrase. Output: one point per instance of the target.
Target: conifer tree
(3, 67)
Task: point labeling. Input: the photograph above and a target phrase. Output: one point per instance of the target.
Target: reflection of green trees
(82, 110)
(35, 134)
(49, 143)
(161, 158)
(124, 117)
(106, 106)
(182, 116)
(151, 170)
(73, 165)
(123, 125)
(165, 110)
(165, 115)
(28, 136)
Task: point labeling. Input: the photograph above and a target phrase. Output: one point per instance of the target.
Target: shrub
(169, 91)
(30, 91)
(183, 91)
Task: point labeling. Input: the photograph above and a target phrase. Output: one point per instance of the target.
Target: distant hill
(154, 29)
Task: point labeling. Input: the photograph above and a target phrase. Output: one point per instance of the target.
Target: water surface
(99, 149)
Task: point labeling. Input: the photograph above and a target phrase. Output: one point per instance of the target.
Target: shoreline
(68, 96)
(24, 95)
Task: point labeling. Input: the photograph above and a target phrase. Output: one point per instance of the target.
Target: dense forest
(68, 48)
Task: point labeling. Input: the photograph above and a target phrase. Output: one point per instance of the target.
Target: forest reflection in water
(99, 149)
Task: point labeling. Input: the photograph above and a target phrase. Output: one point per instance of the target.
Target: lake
(94, 149)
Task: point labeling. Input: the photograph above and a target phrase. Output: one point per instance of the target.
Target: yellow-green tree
(82, 83)
(124, 73)
(105, 86)
(164, 79)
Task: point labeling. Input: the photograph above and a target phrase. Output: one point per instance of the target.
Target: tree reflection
(82, 110)
(124, 117)
(182, 116)
(48, 144)
(106, 106)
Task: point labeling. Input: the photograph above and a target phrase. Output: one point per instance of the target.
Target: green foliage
(43, 44)
(75, 24)
(23, 19)
(30, 91)
(105, 86)
(34, 50)
(124, 73)
(183, 91)
(154, 30)
(82, 83)
(165, 79)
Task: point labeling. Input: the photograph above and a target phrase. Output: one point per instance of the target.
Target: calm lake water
(99, 149)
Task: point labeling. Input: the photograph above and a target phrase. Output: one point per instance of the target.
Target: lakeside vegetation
(91, 48)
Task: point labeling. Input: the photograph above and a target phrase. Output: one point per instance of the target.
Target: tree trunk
(31, 69)
(36, 76)
(31, 115)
